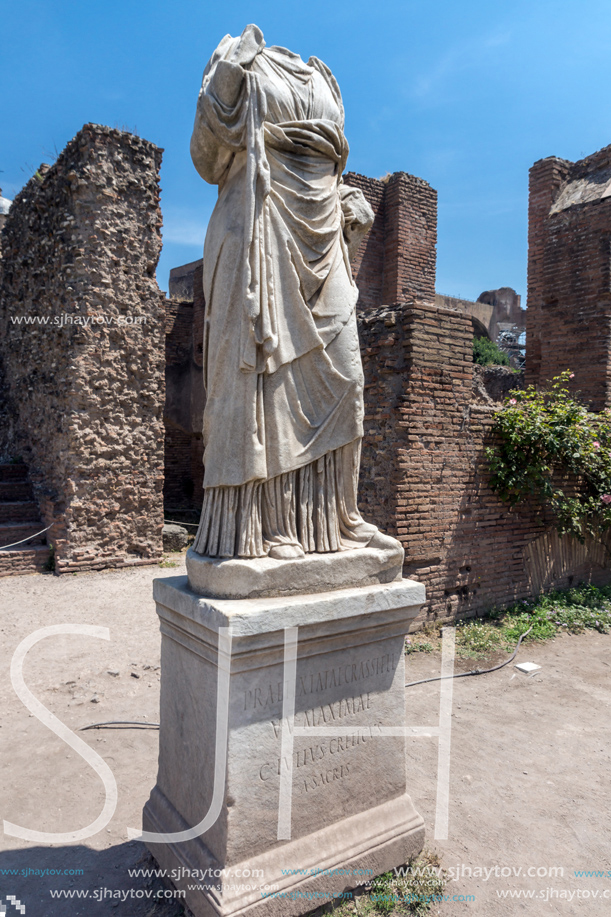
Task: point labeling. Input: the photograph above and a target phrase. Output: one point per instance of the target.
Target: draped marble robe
(283, 419)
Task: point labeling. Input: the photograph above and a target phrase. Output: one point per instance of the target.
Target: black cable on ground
(120, 723)
(494, 668)
(411, 684)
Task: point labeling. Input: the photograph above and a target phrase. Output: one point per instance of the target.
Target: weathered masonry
(82, 351)
(184, 403)
(568, 323)
(396, 262)
(428, 414)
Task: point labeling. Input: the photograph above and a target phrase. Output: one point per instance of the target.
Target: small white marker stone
(527, 667)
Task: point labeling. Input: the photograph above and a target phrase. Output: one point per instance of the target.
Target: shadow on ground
(43, 879)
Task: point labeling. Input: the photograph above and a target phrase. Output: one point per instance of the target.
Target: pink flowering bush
(546, 440)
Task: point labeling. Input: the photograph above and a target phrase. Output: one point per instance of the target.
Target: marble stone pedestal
(349, 817)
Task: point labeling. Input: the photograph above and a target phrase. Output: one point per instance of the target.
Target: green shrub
(487, 353)
(546, 441)
(577, 609)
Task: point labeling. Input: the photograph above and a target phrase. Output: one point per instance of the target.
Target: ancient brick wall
(185, 397)
(183, 411)
(368, 263)
(568, 323)
(178, 483)
(410, 253)
(396, 261)
(423, 478)
(82, 344)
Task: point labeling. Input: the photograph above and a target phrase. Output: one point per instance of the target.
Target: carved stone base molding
(277, 746)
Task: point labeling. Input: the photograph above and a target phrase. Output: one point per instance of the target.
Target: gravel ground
(529, 776)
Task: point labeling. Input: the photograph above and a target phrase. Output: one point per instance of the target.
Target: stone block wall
(396, 261)
(82, 347)
(423, 478)
(568, 319)
(182, 280)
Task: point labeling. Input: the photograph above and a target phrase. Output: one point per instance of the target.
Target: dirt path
(44, 783)
(529, 778)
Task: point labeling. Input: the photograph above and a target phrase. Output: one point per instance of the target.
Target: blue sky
(466, 95)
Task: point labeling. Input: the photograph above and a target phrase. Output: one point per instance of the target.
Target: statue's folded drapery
(282, 368)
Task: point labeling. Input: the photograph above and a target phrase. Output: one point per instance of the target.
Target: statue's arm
(218, 131)
(358, 216)
(220, 92)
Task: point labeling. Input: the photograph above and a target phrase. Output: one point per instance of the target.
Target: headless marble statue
(283, 420)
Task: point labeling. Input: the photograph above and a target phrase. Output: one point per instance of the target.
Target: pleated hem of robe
(313, 506)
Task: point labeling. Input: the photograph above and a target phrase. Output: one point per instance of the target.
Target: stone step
(13, 471)
(11, 532)
(10, 491)
(15, 561)
(20, 511)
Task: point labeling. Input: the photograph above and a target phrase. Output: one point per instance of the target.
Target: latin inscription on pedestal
(333, 775)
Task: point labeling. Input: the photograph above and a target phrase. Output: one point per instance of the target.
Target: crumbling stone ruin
(82, 326)
(569, 273)
(85, 407)
(506, 305)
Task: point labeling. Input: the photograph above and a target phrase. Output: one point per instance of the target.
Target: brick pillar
(569, 277)
(396, 261)
(410, 255)
(545, 180)
(368, 263)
